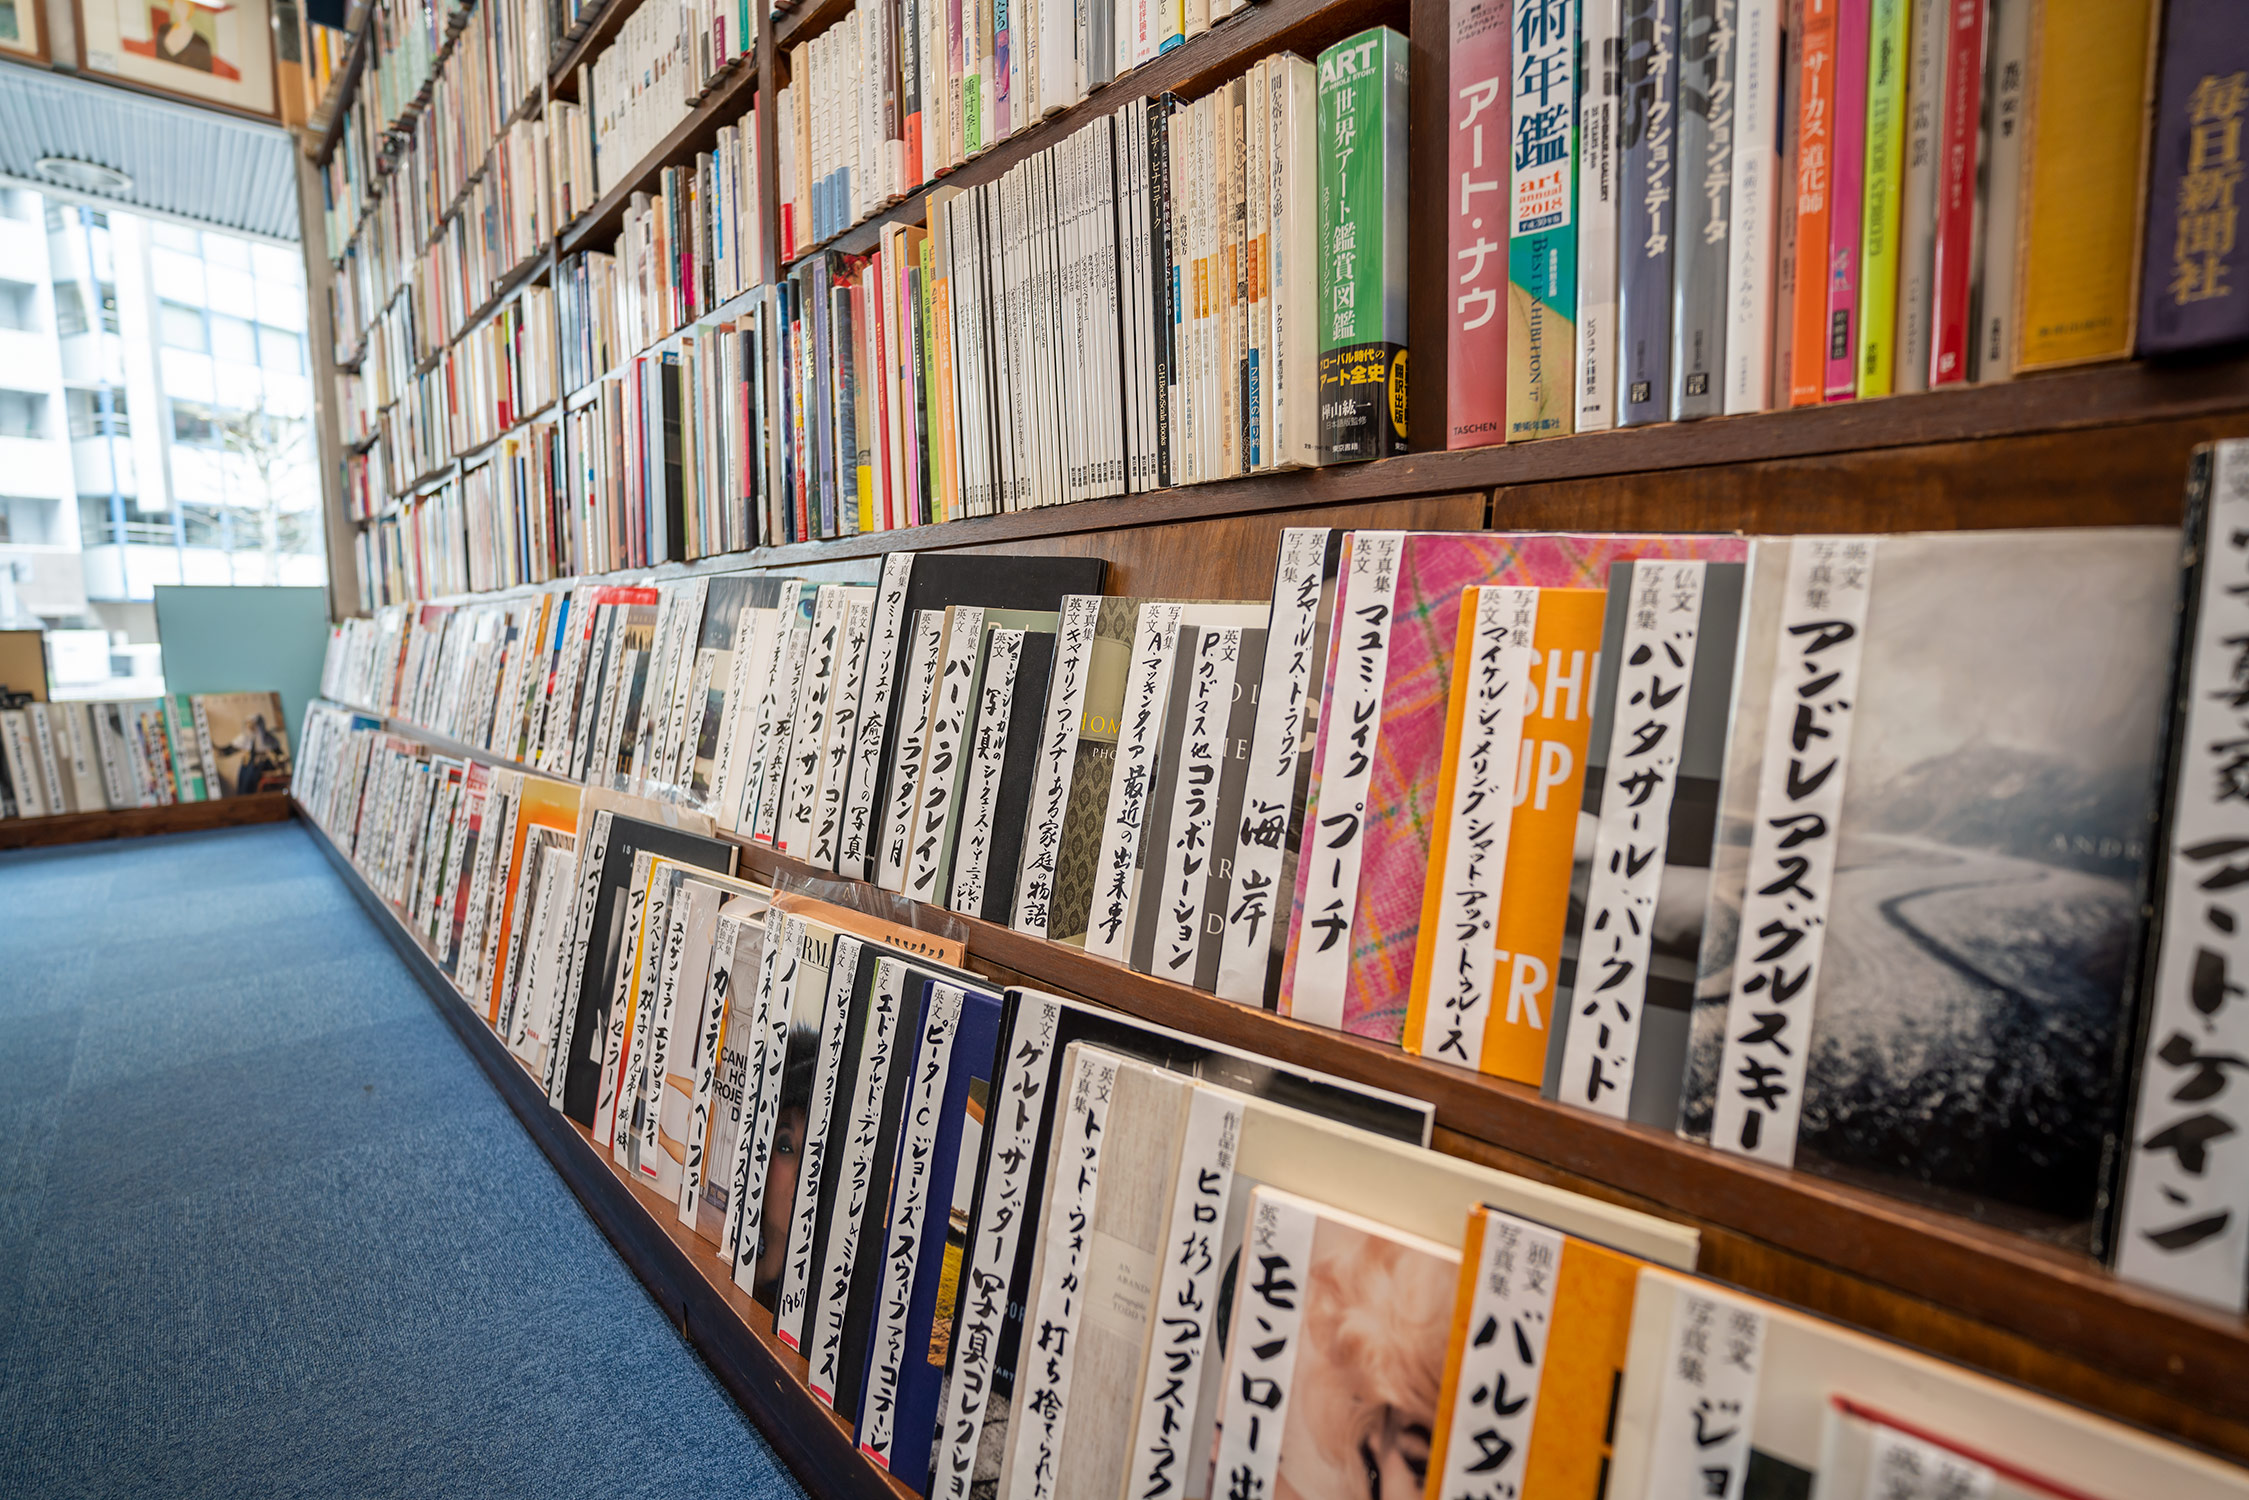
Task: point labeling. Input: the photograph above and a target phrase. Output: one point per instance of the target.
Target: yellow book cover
(1534, 896)
(2077, 273)
(1582, 1373)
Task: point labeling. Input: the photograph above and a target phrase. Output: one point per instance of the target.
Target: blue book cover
(1648, 131)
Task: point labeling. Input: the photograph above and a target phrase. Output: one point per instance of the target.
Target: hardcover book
(1542, 229)
(1647, 135)
(1363, 228)
(1704, 217)
(1479, 136)
(2196, 260)
(245, 738)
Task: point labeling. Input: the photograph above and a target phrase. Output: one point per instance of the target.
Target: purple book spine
(1847, 177)
(2194, 276)
(1648, 134)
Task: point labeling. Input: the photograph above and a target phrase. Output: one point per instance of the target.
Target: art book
(1926, 989)
(245, 742)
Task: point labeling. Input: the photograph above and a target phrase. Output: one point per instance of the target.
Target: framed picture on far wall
(21, 32)
(210, 51)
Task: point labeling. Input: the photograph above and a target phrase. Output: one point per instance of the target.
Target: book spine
(1647, 138)
(2006, 84)
(1363, 224)
(1542, 224)
(1846, 200)
(1707, 36)
(1952, 329)
(1815, 153)
(1917, 207)
(1759, 194)
(2196, 260)
(1477, 152)
(2084, 171)
(1886, 59)
(1599, 73)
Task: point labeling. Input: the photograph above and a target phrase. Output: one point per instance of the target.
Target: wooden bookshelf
(140, 822)
(689, 1281)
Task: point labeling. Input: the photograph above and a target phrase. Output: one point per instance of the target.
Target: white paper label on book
(1632, 834)
(753, 1147)
(710, 1034)
(796, 1269)
(913, 745)
(827, 831)
(1284, 686)
(1185, 864)
(1478, 822)
(954, 705)
(721, 797)
(2185, 1225)
(987, 753)
(1261, 1351)
(1792, 848)
(1707, 1408)
(916, 1150)
(1900, 1466)
(800, 789)
(1183, 1337)
(1510, 1315)
(862, 1126)
(1058, 744)
(1044, 1364)
(983, 1297)
(887, 629)
(788, 680)
(1131, 780)
(581, 933)
(1334, 829)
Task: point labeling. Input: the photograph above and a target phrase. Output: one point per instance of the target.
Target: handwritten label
(796, 1270)
(1185, 863)
(995, 699)
(1655, 678)
(843, 728)
(1510, 1317)
(913, 743)
(948, 733)
(753, 1149)
(592, 858)
(856, 855)
(861, 1126)
(1901, 1466)
(1269, 1292)
(1132, 779)
(1058, 754)
(1792, 848)
(808, 740)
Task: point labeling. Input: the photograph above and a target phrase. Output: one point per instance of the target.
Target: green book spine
(1542, 223)
(1363, 247)
(1887, 37)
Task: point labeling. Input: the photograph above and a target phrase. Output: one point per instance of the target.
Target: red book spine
(1478, 174)
(1956, 193)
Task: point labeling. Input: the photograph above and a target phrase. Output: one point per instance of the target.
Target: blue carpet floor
(267, 1230)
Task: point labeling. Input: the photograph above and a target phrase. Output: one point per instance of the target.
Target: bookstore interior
(892, 610)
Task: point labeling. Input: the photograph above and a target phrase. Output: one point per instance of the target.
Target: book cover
(1018, 769)
(1708, 39)
(1960, 148)
(1917, 210)
(790, 1214)
(1363, 228)
(1647, 136)
(1215, 880)
(1887, 58)
(248, 737)
(2085, 164)
(1846, 198)
(1093, 760)
(2000, 211)
(1757, 296)
(1814, 104)
(724, 1080)
(1599, 192)
(1954, 1029)
(1542, 230)
(2193, 262)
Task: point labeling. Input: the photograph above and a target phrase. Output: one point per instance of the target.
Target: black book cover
(674, 482)
(605, 936)
(1155, 821)
(805, 974)
(1226, 833)
(822, 1165)
(1018, 769)
(940, 580)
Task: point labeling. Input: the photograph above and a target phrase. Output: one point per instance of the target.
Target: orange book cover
(2091, 81)
(1583, 1372)
(1463, 1308)
(541, 804)
(1534, 896)
(1815, 147)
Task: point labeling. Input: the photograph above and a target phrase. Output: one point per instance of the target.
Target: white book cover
(2007, 80)
(1917, 231)
(1757, 204)
(896, 842)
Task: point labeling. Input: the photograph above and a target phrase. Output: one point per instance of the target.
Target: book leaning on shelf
(86, 757)
(865, 1133)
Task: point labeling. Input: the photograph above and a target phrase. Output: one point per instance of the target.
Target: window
(226, 250)
(197, 425)
(23, 414)
(85, 410)
(172, 236)
(70, 309)
(19, 306)
(108, 293)
(281, 352)
(181, 327)
(232, 340)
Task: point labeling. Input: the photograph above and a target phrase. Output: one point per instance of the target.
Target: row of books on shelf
(322, 53)
(80, 757)
(1829, 852)
(408, 36)
(945, 1194)
(489, 381)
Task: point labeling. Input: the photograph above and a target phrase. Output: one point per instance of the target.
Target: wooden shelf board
(599, 32)
(341, 91)
(689, 1282)
(140, 822)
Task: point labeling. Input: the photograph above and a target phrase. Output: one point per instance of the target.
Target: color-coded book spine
(1542, 222)
(2006, 83)
(2196, 265)
(1363, 216)
(1887, 40)
(1759, 198)
(1952, 330)
(1477, 151)
(2084, 169)
(1917, 217)
(1846, 203)
(1649, 138)
(1815, 160)
(1597, 199)
(1705, 218)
